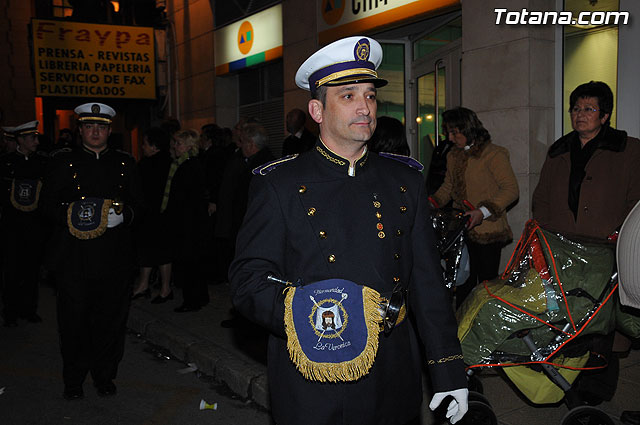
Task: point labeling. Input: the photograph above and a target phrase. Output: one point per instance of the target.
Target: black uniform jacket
(309, 219)
(112, 174)
(18, 226)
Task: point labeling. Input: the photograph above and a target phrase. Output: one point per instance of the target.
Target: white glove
(458, 406)
(114, 219)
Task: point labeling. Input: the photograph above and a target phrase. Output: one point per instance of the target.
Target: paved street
(236, 356)
(150, 390)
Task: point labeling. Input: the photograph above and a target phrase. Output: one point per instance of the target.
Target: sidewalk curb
(249, 380)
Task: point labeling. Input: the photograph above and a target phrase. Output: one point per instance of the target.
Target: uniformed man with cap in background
(21, 230)
(8, 140)
(92, 194)
(8, 145)
(339, 215)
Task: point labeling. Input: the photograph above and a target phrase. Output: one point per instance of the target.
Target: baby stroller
(449, 225)
(531, 322)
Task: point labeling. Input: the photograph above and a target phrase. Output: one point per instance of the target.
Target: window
(427, 130)
(62, 9)
(590, 53)
(391, 98)
(261, 83)
(438, 38)
(260, 96)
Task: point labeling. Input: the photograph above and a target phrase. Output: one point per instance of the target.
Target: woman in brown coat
(591, 177)
(589, 182)
(480, 173)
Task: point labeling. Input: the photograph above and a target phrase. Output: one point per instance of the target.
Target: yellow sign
(78, 59)
(341, 18)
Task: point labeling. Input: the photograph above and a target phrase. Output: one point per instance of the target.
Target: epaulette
(61, 150)
(264, 169)
(124, 152)
(407, 160)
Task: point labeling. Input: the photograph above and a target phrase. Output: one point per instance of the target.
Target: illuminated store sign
(77, 59)
(250, 41)
(341, 18)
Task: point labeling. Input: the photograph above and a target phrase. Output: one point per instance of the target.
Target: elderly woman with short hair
(184, 203)
(589, 183)
(590, 179)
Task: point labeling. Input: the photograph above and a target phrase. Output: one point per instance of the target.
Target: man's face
(291, 123)
(28, 143)
(246, 146)
(147, 149)
(95, 135)
(237, 134)
(204, 142)
(66, 137)
(349, 114)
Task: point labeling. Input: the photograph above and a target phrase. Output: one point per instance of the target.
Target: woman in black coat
(153, 248)
(185, 206)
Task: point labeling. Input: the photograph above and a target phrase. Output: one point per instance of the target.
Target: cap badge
(362, 49)
(95, 109)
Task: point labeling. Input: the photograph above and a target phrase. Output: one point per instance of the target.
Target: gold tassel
(92, 234)
(336, 372)
(25, 208)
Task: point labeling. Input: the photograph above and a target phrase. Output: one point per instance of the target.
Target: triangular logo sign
(328, 8)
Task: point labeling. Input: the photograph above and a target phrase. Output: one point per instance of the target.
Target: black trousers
(20, 283)
(225, 250)
(484, 261)
(92, 319)
(187, 275)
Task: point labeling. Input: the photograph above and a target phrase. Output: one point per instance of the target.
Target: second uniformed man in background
(339, 213)
(92, 194)
(21, 229)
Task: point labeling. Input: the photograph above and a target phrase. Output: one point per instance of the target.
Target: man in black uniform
(21, 229)
(8, 140)
(339, 211)
(92, 194)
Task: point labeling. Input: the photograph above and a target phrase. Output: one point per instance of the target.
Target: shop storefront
(78, 62)
(248, 60)
(517, 76)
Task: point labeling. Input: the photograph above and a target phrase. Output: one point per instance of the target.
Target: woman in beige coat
(480, 173)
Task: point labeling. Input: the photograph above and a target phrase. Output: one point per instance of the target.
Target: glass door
(431, 94)
(435, 85)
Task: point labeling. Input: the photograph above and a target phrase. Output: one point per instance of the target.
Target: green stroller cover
(554, 288)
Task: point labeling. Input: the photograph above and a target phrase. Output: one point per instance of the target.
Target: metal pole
(437, 115)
